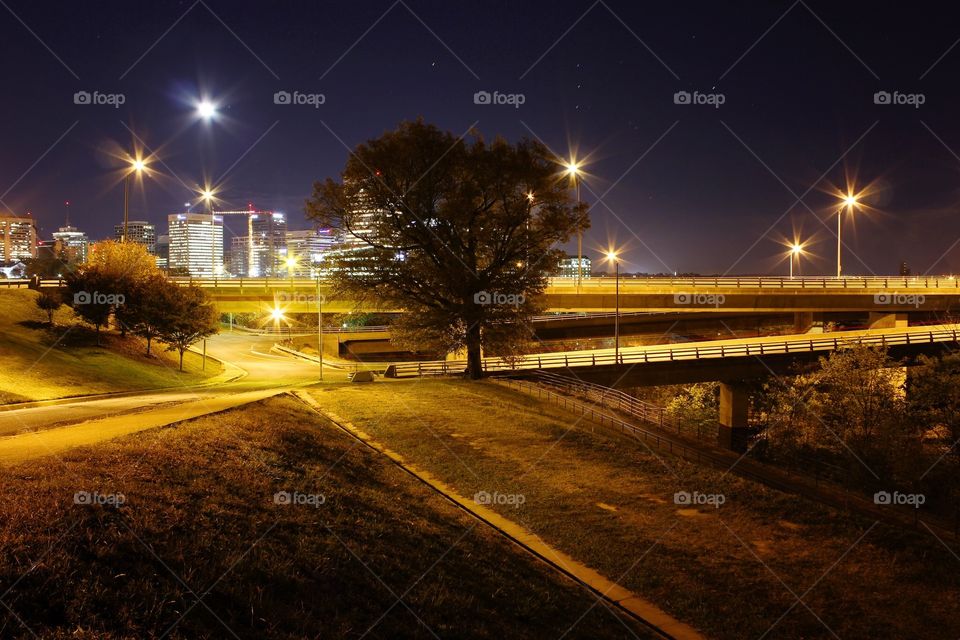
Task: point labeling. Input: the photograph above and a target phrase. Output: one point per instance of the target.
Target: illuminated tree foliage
(459, 233)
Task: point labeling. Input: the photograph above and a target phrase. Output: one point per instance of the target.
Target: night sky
(685, 187)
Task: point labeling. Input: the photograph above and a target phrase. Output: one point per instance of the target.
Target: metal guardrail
(628, 283)
(643, 355)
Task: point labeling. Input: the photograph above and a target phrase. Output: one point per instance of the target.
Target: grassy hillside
(42, 362)
(379, 552)
(610, 503)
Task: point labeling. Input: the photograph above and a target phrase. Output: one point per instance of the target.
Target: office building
(163, 252)
(567, 267)
(18, 238)
(309, 249)
(196, 244)
(138, 231)
(72, 243)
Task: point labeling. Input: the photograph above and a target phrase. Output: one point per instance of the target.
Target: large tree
(460, 234)
(190, 317)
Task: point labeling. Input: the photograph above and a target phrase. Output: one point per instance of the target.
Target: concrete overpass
(702, 295)
(730, 362)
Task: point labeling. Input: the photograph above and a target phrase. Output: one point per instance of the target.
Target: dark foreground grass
(200, 549)
(764, 564)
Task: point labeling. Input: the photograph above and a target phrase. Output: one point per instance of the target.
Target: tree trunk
(148, 345)
(474, 359)
(181, 359)
(98, 335)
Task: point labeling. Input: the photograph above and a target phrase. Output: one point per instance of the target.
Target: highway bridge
(704, 295)
(882, 294)
(730, 362)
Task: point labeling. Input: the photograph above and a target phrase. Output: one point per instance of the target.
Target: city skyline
(708, 186)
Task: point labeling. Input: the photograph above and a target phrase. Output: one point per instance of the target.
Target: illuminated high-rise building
(18, 238)
(140, 232)
(266, 244)
(309, 249)
(196, 244)
(73, 243)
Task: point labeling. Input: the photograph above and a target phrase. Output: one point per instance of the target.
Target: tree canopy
(460, 234)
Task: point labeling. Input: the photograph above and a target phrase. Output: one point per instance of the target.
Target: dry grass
(42, 362)
(610, 503)
(200, 520)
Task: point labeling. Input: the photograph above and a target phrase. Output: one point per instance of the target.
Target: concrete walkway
(19, 448)
(623, 598)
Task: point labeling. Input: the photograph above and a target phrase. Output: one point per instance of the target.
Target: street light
(137, 166)
(206, 194)
(795, 250)
(573, 170)
(206, 110)
(611, 256)
(850, 201)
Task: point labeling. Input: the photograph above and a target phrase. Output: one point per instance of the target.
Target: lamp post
(849, 202)
(795, 251)
(207, 196)
(612, 257)
(573, 170)
(320, 320)
(137, 166)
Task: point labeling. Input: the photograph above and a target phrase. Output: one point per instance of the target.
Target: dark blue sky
(688, 187)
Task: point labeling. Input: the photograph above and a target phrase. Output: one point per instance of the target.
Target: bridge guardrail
(643, 355)
(628, 282)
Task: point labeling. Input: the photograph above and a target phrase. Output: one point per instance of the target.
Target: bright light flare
(206, 110)
(277, 314)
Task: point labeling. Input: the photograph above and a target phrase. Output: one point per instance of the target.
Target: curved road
(250, 353)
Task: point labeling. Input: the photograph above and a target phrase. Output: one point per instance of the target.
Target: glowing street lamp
(137, 166)
(612, 257)
(206, 110)
(796, 249)
(849, 202)
(573, 170)
(207, 195)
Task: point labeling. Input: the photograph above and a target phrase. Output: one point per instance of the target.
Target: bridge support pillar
(734, 409)
(882, 320)
(803, 322)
